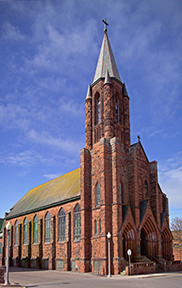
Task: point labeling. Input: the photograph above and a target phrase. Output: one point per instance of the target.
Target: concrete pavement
(21, 277)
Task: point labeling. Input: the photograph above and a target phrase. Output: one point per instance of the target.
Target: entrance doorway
(143, 243)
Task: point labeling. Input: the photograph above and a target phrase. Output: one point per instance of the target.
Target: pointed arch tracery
(166, 241)
(129, 241)
(149, 236)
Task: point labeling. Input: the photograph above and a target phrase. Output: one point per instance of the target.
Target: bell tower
(107, 134)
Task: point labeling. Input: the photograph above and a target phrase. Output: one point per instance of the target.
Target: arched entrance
(149, 243)
(143, 242)
(129, 241)
(166, 244)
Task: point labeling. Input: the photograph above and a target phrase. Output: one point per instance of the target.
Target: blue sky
(49, 51)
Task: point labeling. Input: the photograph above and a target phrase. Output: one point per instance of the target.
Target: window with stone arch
(16, 232)
(61, 225)
(146, 190)
(97, 194)
(25, 229)
(77, 223)
(35, 229)
(117, 109)
(97, 108)
(121, 193)
(48, 227)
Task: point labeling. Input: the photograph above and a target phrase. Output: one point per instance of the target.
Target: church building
(63, 224)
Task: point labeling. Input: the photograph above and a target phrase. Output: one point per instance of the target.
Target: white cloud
(170, 174)
(12, 33)
(52, 176)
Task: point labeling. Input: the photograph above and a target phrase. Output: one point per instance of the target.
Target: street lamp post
(8, 228)
(109, 254)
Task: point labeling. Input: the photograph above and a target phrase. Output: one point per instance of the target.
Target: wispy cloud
(170, 173)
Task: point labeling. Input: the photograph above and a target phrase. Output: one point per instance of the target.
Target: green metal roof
(59, 190)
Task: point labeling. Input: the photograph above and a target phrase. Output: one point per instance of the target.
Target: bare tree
(176, 227)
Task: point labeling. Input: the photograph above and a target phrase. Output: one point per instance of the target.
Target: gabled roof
(59, 190)
(106, 61)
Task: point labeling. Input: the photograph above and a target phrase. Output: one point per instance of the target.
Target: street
(56, 279)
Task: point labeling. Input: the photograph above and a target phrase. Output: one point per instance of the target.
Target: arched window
(121, 193)
(146, 190)
(16, 232)
(25, 229)
(98, 109)
(117, 110)
(97, 194)
(48, 227)
(95, 227)
(77, 223)
(61, 228)
(35, 229)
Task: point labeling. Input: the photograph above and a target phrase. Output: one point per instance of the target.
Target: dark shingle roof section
(143, 207)
(48, 194)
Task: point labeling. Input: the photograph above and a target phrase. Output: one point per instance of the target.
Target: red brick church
(63, 224)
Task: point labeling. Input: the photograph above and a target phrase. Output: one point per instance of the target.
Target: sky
(48, 56)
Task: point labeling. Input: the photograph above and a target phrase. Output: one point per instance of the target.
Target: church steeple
(106, 61)
(107, 101)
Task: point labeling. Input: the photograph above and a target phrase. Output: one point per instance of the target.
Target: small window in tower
(146, 190)
(98, 109)
(121, 193)
(100, 226)
(97, 194)
(117, 110)
(95, 227)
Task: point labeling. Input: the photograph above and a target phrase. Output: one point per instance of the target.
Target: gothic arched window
(146, 190)
(77, 223)
(61, 228)
(35, 229)
(48, 227)
(25, 229)
(97, 194)
(16, 232)
(98, 114)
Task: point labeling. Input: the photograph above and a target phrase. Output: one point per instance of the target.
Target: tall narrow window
(61, 229)
(77, 223)
(35, 229)
(98, 109)
(95, 227)
(25, 229)
(146, 190)
(117, 110)
(16, 232)
(121, 193)
(100, 226)
(48, 227)
(97, 194)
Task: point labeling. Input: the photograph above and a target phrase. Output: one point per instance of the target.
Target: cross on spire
(106, 24)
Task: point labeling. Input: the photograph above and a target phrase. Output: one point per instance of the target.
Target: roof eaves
(44, 207)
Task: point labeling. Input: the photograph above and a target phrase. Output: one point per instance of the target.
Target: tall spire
(106, 59)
